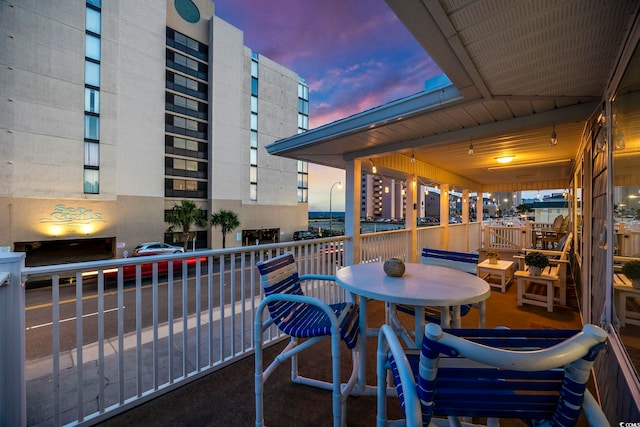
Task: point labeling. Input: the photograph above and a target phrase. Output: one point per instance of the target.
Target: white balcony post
(13, 394)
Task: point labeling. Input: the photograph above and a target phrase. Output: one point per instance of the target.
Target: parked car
(156, 248)
(304, 235)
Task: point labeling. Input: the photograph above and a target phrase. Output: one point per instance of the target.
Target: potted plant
(493, 256)
(631, 269)
(537, 261)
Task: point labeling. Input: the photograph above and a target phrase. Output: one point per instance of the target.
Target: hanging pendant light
(554, 137)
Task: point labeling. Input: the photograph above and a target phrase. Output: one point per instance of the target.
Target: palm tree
(227, 220)
(184, 215)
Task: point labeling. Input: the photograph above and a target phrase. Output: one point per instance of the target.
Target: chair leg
(337, 395)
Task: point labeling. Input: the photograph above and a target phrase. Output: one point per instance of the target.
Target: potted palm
(631, 269)
(493, 256)
(537, 261)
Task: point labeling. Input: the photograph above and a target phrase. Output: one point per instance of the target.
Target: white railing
(506, 238)
(430, 237)
(117, 333)
(376, 247)
(102, 337)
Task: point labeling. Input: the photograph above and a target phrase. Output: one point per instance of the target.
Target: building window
(253, 141)
(91, 100)
(92, 73)
(93, 30)
(303, 126)
(91, 181)
(186, 113)
(91, 127)
(91, 154)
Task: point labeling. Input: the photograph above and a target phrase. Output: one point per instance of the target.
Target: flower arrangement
(536, 259)
(631, 269)
(493, 256)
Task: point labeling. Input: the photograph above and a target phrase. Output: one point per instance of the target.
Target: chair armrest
(553, 357)
(303, 299)
(546, 252)
(593, 412)
(388, 342)
(318, 277)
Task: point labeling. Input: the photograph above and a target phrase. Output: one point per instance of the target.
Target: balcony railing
(119, 332)
(102, 337)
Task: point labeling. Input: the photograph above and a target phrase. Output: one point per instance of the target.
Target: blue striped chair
(301, 316)
(464, 261)
(538, 375)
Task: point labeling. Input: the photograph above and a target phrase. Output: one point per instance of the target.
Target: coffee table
(503, 269)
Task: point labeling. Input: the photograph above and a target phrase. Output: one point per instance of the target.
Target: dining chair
(464, 261)
(537, 375)
(307, 321)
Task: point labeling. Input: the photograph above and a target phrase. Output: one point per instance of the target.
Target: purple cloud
(355, 55)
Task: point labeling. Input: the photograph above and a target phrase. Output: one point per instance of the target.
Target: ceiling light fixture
(374, 169)
(530, 165)
(470, 152)
(554, 137)
(505, 159)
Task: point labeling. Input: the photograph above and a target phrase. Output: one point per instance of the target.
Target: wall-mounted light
(470, 152)
(554, 137)
(413, 157)
(386, 189)
(374, 169)
(505, 159)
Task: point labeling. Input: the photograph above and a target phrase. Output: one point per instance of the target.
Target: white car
(156, 248)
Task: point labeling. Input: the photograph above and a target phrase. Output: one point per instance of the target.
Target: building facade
(113, 112)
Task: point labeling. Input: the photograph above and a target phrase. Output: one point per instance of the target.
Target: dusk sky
(354, 55)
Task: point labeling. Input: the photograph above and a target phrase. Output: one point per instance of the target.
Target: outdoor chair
(553, 276)
(551, 238)
(537, 375)
(464, 261)
(307, 321)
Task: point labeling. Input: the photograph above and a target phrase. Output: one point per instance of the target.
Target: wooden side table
(503, 269)
(624, 290)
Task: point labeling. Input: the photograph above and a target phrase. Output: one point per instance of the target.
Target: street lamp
(339, 184)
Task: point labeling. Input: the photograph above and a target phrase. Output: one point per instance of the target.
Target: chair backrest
(464, 261)
(557, 222)
(500, 373)
(279, 275)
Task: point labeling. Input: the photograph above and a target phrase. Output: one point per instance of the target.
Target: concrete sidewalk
(134, 372)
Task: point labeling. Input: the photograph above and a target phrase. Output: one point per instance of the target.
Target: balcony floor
(226, 397)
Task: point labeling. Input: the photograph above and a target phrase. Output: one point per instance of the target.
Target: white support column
(465, 216)
(13, 392)
(444, 215)
(411, 219)
(353, 195)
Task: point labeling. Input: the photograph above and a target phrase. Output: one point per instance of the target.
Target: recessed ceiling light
(504, 159)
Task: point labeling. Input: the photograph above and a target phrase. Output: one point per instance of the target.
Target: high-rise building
(114, 111)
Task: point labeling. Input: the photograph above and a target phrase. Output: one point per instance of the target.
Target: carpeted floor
(226, 397)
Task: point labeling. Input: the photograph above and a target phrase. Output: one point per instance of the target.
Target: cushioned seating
(301, 316)
(533, 374)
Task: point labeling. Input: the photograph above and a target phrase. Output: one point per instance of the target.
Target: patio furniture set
(483, 372)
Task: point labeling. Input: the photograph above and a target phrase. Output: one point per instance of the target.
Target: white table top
(421, 285)
(501, 264)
